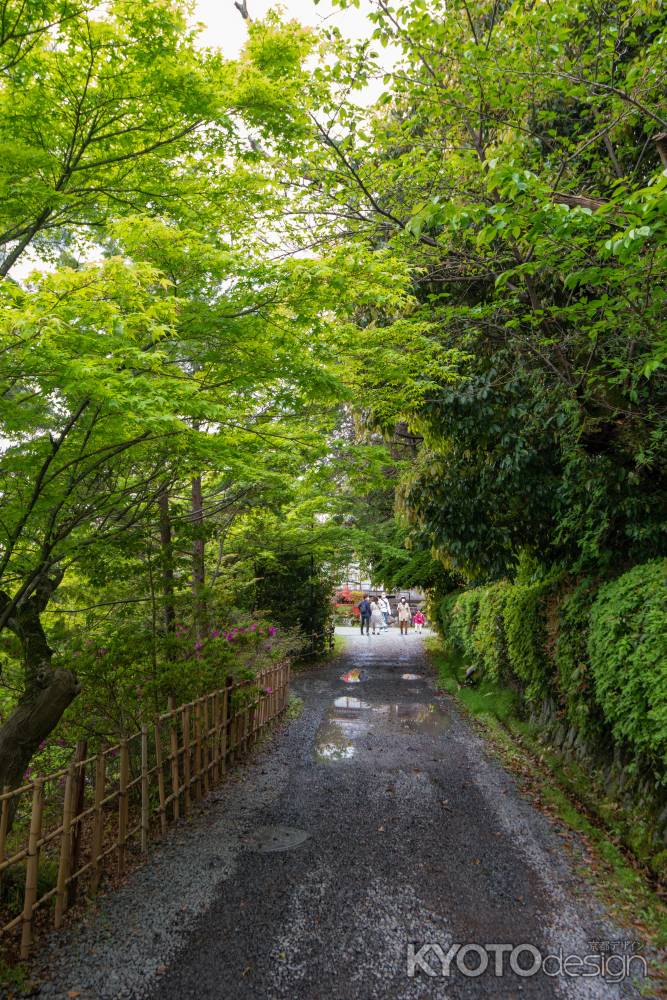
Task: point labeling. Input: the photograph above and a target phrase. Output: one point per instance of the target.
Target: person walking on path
(377, 621)
(404, 615)
(385, 608)
(419, 620)
(365, 614)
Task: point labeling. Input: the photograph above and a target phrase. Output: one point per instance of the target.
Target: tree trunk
(198, 567)
(167, 558)
(47, 691)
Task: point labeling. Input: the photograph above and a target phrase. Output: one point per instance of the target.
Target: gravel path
(398, 830)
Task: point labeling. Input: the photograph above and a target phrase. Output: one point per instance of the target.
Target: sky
(226, 29)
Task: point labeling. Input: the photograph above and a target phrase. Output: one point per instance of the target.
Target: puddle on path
(353, 677)
(347, 702)
(351, 718)
(412, 677)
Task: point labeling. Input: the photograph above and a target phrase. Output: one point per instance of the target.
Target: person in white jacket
(404, 615)
(376, 618)
(385, 608)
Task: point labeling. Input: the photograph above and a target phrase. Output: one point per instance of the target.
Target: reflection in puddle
(351, 718)
(352, 677)
(350, 703)
(429, 718)
(333, 742)
(412, 677)
(414, 715)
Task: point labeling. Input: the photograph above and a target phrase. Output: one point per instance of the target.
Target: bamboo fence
(72, 826)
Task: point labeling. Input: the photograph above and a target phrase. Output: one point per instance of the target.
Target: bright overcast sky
(226, 29)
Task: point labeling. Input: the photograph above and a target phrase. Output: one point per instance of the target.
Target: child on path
(419, 620)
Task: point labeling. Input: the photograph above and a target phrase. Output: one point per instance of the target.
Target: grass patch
(13, 978)
(294, 708)
(485, 698)
(552, 783)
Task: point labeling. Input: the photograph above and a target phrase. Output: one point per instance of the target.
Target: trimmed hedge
(600, 654)
(490, 640)
(525, 635)
(574, 679)
(627, 649)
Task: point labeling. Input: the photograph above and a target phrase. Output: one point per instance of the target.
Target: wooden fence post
(224, 726)
(123, 804)
(207, 737)
(173, 744)
(216, 737)
(4, 823)
(32, 867)
(78, 801)
(232, 724)
(98, 819)
(145, 804)
(185, 713)
(160, 779)
(65, 846)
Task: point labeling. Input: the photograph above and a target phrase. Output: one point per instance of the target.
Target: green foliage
(525, 635)
(296, 592)
(489, 637)
(531, 356)
(487, 698)
(627, 646)
(445, 617)
(464, 617)
(599, 651)
(573, 669)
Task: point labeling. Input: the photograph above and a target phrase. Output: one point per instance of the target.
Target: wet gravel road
(396, 828)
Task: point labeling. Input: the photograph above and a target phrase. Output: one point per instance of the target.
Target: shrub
(525, 634)
(573, 670)
(489, 636)
(627, 647)
(464, 620)
(445, 616)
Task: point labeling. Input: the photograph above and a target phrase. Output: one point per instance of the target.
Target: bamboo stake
(123, 805)
(205, 747)
(160, 780)
(198, 749)
(4, 823)
(32, 867)
(216, 738)
(65, 847)
(98, 820)
(233, 730)
(145, 804)
(246, 725)
(78, 801)
(224, 727)
(186, 759)
(175, 779)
